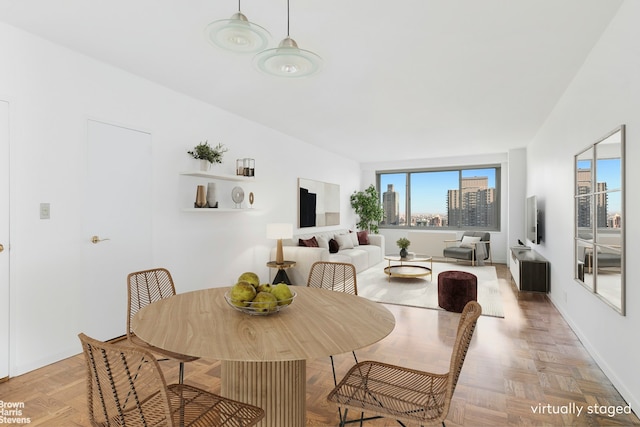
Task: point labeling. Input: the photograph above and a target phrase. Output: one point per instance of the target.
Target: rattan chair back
(145, 287)
(334, 276)
(466, 326)
(125, 387)
(407, 395)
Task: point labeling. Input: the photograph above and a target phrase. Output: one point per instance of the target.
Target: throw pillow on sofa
(354, 238)
(310, 243)
(363, 237)
(344, 241)
(323, 242)
(334, 247)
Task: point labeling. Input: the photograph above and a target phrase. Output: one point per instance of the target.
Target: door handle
(1, 247)
(96, 240)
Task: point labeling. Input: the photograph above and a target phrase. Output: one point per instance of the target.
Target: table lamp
(279, 231)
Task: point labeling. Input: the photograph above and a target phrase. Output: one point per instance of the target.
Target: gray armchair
(469, 248)
(606, 259)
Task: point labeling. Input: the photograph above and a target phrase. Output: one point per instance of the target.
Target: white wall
(517, 186)
(53, 91)
(603, 95)
(499, 242)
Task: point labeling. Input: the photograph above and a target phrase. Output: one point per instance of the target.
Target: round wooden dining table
(263, 358)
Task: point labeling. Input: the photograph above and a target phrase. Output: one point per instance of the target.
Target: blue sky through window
(608, 171)
(429, 190)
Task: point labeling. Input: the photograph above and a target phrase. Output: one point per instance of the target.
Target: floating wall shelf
(218, 210)
(221, 177)
(225, 177)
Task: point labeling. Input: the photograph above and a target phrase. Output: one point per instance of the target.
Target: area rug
(374, 284)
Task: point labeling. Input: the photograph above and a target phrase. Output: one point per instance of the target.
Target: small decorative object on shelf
(237, 194)
(201, 198)
(208, 154)
(403, 243)
(251, 199)
(211, 195)
(246, 167)
(249, 167)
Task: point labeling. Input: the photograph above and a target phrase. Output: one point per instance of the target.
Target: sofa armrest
(377, 240)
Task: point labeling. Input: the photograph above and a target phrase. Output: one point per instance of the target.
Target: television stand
(530, 271)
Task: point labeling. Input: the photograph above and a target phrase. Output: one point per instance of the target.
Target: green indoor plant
(403, 243)
(204, 151)
(367, 206)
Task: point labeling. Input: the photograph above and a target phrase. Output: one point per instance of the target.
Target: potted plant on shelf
(208, 155)
(403, 243)
(367, 206)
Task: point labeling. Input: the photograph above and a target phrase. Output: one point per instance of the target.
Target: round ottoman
(456, 289)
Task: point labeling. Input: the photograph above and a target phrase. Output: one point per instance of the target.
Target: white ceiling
(401, 79)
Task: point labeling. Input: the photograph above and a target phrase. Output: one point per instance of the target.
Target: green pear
(242, 293)
(282, 293)
(250, 277)
(265, 287)
(264, 302)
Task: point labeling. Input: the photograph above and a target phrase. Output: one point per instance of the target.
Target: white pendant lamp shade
(237, 34)
(288, 60)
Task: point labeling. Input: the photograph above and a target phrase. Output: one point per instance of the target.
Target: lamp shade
(288, 60)
(279, 231)
(237, 34)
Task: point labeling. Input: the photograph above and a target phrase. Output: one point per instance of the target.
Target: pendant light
(237, 34)
(288, 60)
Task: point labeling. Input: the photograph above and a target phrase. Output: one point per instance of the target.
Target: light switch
(45, 211)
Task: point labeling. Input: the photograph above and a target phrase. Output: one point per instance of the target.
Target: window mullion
(407, 208)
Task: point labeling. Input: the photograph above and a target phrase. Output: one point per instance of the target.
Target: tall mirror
(599, 214)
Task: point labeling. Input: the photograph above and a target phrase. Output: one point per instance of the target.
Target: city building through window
(454, 198)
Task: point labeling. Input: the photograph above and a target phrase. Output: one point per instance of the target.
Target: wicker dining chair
(126, 387)
(403, 394)
(334, 276)
(144, 288)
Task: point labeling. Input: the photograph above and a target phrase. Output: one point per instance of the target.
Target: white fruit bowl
(256, 311)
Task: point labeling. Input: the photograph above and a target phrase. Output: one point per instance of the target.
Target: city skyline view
(466, 197)
(429, 189)
(608, 171)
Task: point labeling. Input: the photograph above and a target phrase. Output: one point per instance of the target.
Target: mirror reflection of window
(599, 214)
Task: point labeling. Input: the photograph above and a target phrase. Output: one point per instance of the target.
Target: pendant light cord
(287, 18)
(239, 6)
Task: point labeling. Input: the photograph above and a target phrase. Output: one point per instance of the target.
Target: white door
(4, 239)
(118, 213)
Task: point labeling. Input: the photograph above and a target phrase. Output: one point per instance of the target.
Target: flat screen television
(532, 222)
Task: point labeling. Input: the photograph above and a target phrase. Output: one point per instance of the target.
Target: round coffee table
(408, 270)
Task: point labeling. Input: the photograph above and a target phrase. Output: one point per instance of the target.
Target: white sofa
(361, 256)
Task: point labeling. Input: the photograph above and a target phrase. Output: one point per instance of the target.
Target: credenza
(530, 271)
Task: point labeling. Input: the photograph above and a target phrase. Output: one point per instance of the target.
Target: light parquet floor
(526, 361)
